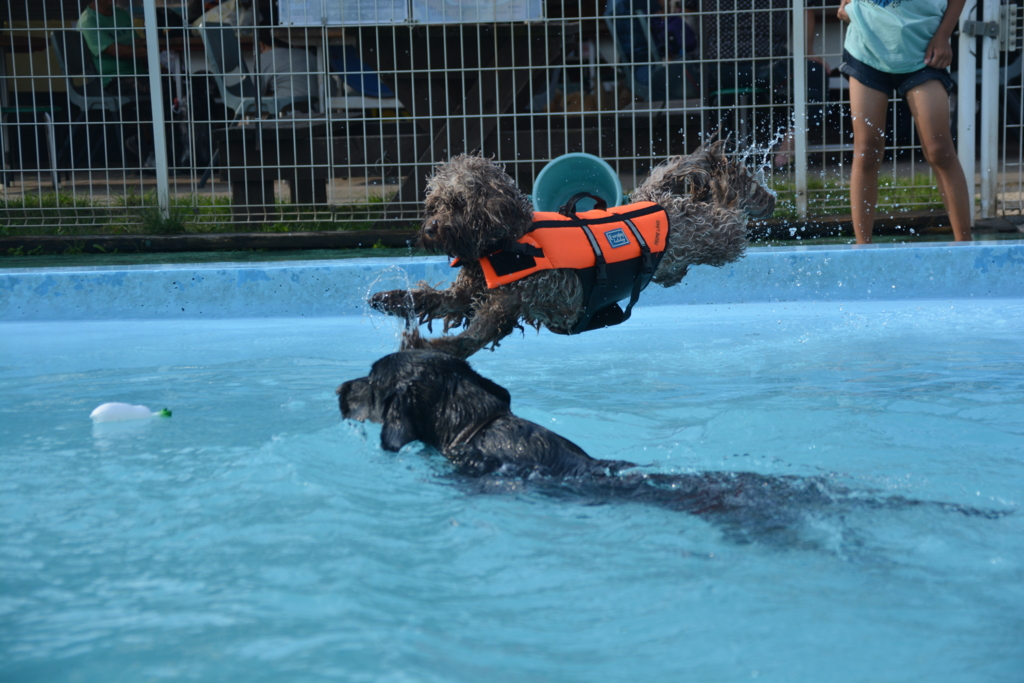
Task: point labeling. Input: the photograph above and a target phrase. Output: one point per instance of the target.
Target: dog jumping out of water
(439, 400)
(567, 270)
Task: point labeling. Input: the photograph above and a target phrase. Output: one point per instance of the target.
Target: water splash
(758, 158)
(389, 278)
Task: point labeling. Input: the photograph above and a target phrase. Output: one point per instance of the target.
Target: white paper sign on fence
(475, 11)
(342, 12)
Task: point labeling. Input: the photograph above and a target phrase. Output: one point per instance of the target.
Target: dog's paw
(396, 302)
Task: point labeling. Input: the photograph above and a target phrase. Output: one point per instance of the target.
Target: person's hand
(939, 53)
(841, 12)
(820, 60)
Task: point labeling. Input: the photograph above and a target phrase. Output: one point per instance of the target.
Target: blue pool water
(256, 536)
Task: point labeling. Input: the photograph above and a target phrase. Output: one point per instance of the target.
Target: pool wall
(327, 288)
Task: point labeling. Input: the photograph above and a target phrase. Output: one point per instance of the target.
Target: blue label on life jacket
(617, 238)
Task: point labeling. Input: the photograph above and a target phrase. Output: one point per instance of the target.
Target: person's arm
(841, 12)
(810, 23)
(939, 53)
(131, 52)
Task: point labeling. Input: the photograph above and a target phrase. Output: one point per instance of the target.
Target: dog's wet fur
(439, 400)
(473, 208)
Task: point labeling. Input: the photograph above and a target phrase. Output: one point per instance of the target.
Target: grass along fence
(831, 196)
(62, 214)
(67, 214)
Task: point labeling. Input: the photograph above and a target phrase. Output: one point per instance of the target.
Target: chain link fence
(299, 115)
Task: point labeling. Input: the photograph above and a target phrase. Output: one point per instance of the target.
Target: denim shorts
(887, 82)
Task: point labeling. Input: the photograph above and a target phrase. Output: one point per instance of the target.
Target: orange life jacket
(615, 252)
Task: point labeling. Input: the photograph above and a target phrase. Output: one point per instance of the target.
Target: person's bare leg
(929, 103)
(867, 109)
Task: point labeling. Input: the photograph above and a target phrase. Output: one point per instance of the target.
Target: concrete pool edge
(330, 288)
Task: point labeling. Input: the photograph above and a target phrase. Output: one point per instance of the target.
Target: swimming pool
(256, 536)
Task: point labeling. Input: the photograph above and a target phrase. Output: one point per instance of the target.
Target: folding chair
(637, 53)
(224, 55)
(75, 62)
(619, 14)
(50, 141)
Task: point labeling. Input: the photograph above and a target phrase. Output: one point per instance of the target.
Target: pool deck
(333, 288)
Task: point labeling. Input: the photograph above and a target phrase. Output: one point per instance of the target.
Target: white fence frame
(578, 61)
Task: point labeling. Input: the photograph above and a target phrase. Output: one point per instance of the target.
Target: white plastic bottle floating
(120, 412)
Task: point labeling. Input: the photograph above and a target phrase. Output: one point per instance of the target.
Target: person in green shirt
(120, 58)
(902, 45)
(110, 35)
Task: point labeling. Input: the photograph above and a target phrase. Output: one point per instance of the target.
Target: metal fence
(329, 114)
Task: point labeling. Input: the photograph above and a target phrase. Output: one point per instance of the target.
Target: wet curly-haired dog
(439, 400)
(474, 209)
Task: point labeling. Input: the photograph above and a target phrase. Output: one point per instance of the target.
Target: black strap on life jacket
(648, 264)
(518, 256)
(569, 208)
(569, 211)
(610, 314)
(603, 284)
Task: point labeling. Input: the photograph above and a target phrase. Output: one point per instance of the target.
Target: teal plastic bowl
(570, 174)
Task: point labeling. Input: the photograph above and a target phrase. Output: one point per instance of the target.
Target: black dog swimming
(439, 400)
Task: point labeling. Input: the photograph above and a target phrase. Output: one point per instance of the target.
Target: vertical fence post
(157, 106)
(799, 40)
(966, 107)
(989, 112)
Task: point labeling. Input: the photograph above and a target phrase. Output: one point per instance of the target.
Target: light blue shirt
(892, 35)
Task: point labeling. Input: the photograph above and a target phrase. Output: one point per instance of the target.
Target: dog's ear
(399, 418)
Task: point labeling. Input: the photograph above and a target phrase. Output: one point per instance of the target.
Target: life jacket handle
(569, 208)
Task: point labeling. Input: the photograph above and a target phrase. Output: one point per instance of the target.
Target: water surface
(256, 536)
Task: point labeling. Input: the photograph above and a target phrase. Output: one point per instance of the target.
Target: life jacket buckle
(648, 263)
